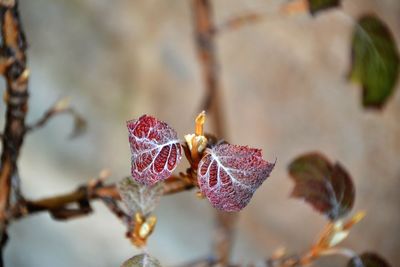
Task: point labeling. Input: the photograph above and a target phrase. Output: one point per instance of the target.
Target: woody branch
(14, 70)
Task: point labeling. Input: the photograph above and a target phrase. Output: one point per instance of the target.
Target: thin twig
(60, 107)
(250, 18)
(13, 67)
(206, 51)
(239, 21)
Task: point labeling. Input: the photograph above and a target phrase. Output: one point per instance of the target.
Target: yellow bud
(336, 232)
(354, 220)
(189, 138)
(200, 142)
(62, 104)
(199, 123)
(138, 218)
(147, 227)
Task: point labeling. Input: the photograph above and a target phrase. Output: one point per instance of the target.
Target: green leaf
(327, 187)
(375, 61)
(319, 5)
(368, 260)
(142, 260)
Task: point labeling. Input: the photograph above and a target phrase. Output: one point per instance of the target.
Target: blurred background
(284, 89)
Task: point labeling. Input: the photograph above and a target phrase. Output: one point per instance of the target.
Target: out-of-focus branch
(13, 67)
(113, 207)
(239, 21)
(60, 206)
(205, 45)
(60, 107)
(204, 30)
(224, 234)
(249, 18)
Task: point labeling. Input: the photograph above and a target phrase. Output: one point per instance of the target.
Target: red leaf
(155, 148)
(229, 175)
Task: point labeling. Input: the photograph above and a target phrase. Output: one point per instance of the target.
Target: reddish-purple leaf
(229, 175)
(155, 148)
(327, 187)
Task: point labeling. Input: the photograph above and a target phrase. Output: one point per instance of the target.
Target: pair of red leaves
(228, 175)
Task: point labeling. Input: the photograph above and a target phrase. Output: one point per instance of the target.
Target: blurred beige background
(285, 91)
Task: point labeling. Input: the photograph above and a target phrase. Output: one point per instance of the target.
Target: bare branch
(239, 21)
(249, 18)
(60, 107)
(13, 67)
(205, 44)
(86, 193)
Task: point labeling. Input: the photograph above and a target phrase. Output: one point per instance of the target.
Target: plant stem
(13, 67)
(86, 193)
(205, 44)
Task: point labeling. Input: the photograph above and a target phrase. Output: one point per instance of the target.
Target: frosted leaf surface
(139, 197)
(155, 149)
(229, 175)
